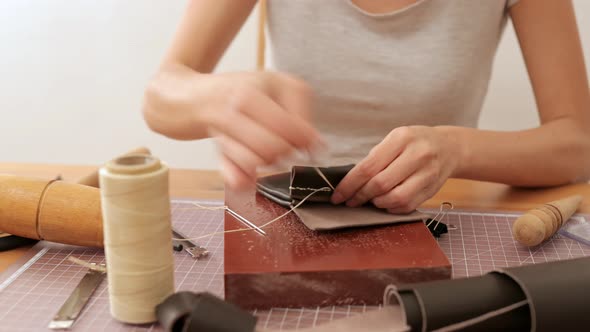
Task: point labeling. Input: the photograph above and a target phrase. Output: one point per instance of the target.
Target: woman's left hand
(408, 167)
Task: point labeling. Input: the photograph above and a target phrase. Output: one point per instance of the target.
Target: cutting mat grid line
(481, 242)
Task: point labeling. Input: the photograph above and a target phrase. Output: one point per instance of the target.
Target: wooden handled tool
(50, 210)
(53, 210)
(542, 222)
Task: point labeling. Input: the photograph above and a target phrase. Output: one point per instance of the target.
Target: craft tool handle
(541, 223)
(56, 211)
(92, 178)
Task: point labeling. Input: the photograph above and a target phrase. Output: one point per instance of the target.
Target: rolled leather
(537, 297)
(195, 312)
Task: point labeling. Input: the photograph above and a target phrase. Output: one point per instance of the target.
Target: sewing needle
(245, 221)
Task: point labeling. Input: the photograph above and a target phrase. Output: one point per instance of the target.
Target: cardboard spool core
(133, 164)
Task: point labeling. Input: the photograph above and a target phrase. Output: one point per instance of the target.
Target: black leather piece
(278, 200)
(196, 312)
(173, 312)
(275, 187)
(278, 187)
(453, 301)
(558, 293)
(305, 179)
(412, 310)
(10, 242)
(318, 213)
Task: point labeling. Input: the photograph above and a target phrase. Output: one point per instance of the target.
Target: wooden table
(207, 184)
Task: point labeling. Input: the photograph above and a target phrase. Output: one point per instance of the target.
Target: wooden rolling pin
(542, 222)
(52, 210)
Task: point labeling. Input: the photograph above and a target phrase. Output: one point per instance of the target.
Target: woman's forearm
(555, 153)
(176, 100)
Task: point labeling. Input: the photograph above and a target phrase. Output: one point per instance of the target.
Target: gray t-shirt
(426, 64)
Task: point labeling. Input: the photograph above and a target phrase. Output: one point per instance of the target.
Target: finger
(413, 205)
(420, 198)
(244, 158)
(278, 119)
(395, 173)
(375, 162)
(405, 197)
(234, 176)
(294, 95)
(266, 144)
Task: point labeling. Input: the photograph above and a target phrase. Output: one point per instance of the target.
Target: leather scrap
(317, 212)
(558, 293)
(196, 312)
(537, 297)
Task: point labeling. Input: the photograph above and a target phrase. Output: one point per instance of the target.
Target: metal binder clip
(196, 252)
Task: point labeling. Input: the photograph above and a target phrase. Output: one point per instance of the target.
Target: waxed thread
(323, 176)
(90, 266)
(136, 219)
(266, 224)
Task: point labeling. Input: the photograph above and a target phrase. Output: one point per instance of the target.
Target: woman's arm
(257, 118)
(558, 151)
(412, 163)
(204, 33)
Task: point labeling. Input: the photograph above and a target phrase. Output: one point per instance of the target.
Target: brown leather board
(293, 266)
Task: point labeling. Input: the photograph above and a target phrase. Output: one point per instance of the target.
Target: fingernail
(337, 198)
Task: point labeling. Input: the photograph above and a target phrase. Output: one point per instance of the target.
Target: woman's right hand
(256, 118)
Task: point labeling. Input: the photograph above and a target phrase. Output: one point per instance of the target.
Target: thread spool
(137, 236)
(542, 222)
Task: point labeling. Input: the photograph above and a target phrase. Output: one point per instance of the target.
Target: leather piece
(276, 188)
(174, 311)
(443, 303)
(557, 293)
(304, 180)
(537, 297)
(195, 312)
(317, 213)
(321, 217)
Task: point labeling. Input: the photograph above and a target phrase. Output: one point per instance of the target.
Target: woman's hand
(256, 118)
(408, 167)
(262, 118)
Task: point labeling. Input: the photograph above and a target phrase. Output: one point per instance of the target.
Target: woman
(394, 86)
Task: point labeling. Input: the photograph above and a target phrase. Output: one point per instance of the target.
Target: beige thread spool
(137, 236)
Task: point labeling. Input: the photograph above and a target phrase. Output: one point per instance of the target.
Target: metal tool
(196, 252)
(245, 221)
(71, 309)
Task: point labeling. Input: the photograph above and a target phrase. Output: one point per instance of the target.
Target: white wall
(72, 74)
(510, 102)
